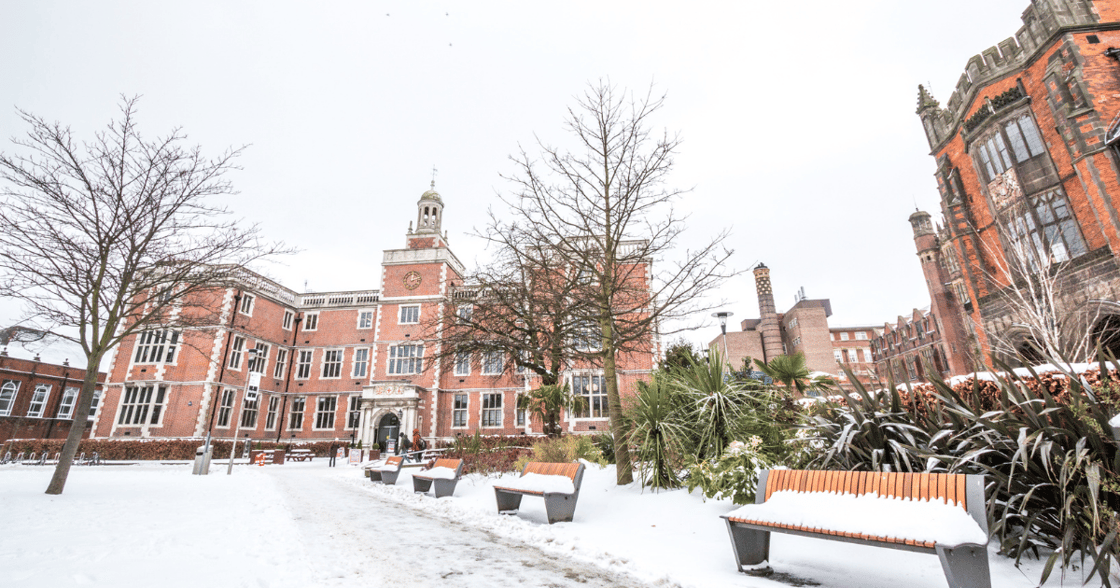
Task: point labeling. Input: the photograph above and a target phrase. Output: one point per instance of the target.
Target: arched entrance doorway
(387, 428)
(1107, 333)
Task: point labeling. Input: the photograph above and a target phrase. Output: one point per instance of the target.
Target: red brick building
(37, 398)
(335, 364)
(1027, 167)
(851, 347)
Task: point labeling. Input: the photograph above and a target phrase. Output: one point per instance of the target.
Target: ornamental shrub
(566, 449)
(734, 475)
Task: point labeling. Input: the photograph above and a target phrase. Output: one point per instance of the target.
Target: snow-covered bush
(734, 475)
(564, 450)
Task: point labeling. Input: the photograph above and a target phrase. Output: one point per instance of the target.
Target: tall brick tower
(768, 327)
(943, 301)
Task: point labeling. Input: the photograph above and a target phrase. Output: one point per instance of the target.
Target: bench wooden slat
(962, 496)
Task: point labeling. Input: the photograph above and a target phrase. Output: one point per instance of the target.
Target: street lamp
(237, 428)
(722, 316)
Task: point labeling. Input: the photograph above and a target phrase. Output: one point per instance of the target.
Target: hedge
(150, 449)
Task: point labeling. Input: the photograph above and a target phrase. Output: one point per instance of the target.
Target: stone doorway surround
(388, 397)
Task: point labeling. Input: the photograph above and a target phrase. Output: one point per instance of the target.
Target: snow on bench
(444, 473)
(929, 513)
(557, 483)
(386, 473)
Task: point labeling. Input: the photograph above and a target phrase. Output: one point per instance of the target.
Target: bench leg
(374, 476)
(422, 485)
(507, 501)
(560, 508)
(445, 487)
(751, 548)
(390, 478)
(966, 566)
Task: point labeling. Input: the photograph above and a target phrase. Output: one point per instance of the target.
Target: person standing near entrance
(405, 444)
(333, 451)
(416, 442)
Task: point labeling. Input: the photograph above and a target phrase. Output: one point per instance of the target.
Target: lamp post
(237, 428)
(722, 316)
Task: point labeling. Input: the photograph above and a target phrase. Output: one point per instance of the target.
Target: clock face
(412, 280)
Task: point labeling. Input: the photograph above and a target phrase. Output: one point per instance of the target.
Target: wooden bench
(445, 486)
(965, 562)
(558, 506)
(301, 455)
(387, 473)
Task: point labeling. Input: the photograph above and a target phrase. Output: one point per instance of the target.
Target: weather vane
(434, 170)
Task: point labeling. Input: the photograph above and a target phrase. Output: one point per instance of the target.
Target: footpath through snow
(307, 525)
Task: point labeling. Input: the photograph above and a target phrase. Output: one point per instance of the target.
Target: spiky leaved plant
(658, 432)
(711, 402)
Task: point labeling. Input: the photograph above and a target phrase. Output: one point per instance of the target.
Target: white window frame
(590, 412)
(353, 411)
(460, 413)
(65, 408)
(292, 412)
(286, 324)
(225, 407)
(493, 362)
(258, 362)
(38, 404)
(151, 344)
(401, 363)
(281, 363)
(406, 312)
(332, 364)
(94, 404)
(861, 335)
(325, 408)
(839, 354)
(488, 410)
(235, 351)
(273, 410)
(303, 364)
(365, 320)
(463, 312)
(843, 335)
(9, 390)
(142, 406)
(361, 360)
(246, 307)
(250, 409)
(463, 363)
(311, 321)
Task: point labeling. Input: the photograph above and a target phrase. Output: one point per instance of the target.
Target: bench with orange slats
(422, 481)
(558, 506)
(388, 472)
(965, 565)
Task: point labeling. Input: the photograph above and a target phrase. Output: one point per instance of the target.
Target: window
(410, 315)
(1044, 227)
(353, 413)
(365, 319)
(491, 410)
(324, 413)
(588, 337)
(464, 312)
(295, 415)
(66, 405)
(247, 304)
(249, 413)
(311, 321)
(591, 388)
(225, 409)
(139, 402)
(463, 363)
(852, 356)
(270, 419)
(93, 405)
(281, 363)
(793, 323)
(332, 363)
(258, 361)
(288, 316)
(235, 352)
(519, 415)
(459, 411)
(39, 400)
(303, 368)
(861, 335)
(406, 359)
(797, 341)
(844, 336)
(156, 346)
(839, 355)
(361, 362)
(492, 362)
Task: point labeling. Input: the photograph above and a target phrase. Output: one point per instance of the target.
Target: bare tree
(605, 209)
(1031, 279)
(102, 239)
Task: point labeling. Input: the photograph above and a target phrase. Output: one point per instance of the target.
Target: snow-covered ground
(305, 524)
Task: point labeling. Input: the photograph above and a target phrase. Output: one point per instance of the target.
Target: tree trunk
(77, 426)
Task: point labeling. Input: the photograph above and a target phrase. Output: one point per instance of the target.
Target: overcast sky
(797, 117)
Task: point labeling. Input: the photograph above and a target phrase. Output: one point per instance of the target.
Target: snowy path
(355, 538)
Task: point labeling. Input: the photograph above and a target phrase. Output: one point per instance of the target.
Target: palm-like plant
(658, 433)
(546, 402)
(713, 404)
(790, 370)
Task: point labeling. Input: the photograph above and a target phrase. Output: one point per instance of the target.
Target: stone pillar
(768, 327)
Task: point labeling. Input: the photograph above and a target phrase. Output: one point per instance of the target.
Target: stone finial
(925, 100)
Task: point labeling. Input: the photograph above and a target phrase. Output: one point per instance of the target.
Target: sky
(797, 119)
